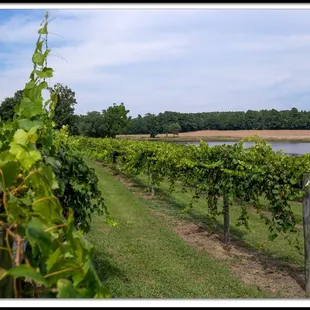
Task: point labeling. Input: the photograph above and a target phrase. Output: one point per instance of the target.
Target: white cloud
(90, 41)
(162, 60)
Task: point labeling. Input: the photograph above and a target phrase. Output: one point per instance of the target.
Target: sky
(166, 60)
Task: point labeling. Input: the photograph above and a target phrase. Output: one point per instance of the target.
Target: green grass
(256, 237)
(143, 258)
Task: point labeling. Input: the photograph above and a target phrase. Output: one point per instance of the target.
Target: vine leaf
(27, 156)
(66, 290)
(22, 271)
(45, 72)
(20, 137)
(9, 172)
(48, 208)
(37, 236)
(38, 58)
(43, 30)
(27, 124)
(29, 108)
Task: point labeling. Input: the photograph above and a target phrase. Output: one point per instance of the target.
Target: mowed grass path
(143, 258)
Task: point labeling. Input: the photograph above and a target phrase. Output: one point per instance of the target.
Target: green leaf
(10, 172)
(95, 287)
(46, 53)
(49, 174)
(37, 235)
(39, 46)
(48, 208)
(66, 290)
(6, 156)
(27, 124)
(26, 99)
(53, 259)
(43, 85)
(66, 265)
(45, 72)
(102, 292)
(28, 272)
(30, 85)
(38, 58)
(16, 209)
(21, 137)
(32, 134)
(53, 162)
(29, 108)
(43, 178)
(54, 96)
(43, 30)
(26, 156)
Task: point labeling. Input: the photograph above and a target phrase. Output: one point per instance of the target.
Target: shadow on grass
(167, 204)
(106, 269)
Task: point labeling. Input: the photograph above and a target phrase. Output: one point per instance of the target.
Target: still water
(293, 148)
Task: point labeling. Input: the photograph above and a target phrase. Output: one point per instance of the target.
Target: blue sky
(166, 60)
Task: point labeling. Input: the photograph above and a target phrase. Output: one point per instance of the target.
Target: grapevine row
(241, 174)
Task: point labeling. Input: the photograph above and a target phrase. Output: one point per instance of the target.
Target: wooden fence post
(306, 225)
(226, 220)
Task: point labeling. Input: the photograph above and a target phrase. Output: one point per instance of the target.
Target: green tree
(92, 125)
(152, 124)
(115, 120)
(64, 112)
(76, 124)
(174, 128)
(137, 126)
(7, 107)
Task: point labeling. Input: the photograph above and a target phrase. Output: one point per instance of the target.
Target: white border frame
(137, 303)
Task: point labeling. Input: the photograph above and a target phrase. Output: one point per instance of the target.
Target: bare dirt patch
(250, 265)
(238, 134)
(249, 133)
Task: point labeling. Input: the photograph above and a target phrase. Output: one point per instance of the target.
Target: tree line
(115, 120)
(249, 120)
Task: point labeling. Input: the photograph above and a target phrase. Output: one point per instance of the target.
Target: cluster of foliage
(111, 122)
(64, 111)
(250, 120)
(78, 183)
(46, 191)
(241, 174)
(7, 107)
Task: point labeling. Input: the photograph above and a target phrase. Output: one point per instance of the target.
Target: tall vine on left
(60, 260)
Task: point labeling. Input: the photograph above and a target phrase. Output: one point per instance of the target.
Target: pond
(292, 148)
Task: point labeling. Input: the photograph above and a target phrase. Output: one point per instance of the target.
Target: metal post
(306, 224)
(226, 221)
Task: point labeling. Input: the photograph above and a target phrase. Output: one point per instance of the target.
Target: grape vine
(243, 175)
(39, 241)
